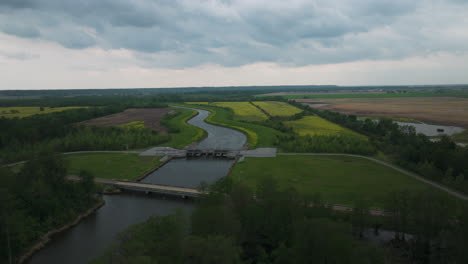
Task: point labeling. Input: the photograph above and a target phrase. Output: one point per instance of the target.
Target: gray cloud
(182, 33)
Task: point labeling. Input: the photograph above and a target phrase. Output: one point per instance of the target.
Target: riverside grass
(242, 110)
(317, 126)
(257, 135)
(339, 179)
(274, 108)
(118, 166)
(187, 134)
(25, 111)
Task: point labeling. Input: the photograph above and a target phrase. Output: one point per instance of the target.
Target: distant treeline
(441, 161)
(210, 91)
(235, 224)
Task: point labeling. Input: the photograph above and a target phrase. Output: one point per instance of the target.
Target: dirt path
(412, 175)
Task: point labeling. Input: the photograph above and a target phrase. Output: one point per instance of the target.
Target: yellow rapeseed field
(242, 110)
(12, 112)
(314, 125)
(278, 108)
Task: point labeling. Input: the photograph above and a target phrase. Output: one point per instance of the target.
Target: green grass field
(278, 108)
(119, 166)
(339, 179)
(314, 125)
(460, 137)
(242, 110)
(187, 133)
(12, 112)
(134, 125)
(257, 135)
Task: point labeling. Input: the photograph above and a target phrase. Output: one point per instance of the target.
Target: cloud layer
(180, 34)
(232, 33)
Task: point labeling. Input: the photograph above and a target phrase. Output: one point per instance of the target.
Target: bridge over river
(146, 187)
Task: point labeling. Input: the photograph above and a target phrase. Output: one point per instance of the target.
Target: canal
(94, 234)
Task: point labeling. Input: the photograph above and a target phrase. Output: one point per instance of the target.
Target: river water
(95, 233)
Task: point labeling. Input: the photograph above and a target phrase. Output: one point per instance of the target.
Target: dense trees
(234, 224)
(22, 139)
(37, 199)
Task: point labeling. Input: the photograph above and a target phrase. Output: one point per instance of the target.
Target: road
(410, 174)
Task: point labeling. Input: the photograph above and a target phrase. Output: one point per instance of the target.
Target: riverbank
(46, 238)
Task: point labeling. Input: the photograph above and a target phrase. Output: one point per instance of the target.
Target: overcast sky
(63, 44)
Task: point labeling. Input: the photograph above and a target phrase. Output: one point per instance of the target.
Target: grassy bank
(339, 179)
(257, 135)
(119, 166)
(315, 125)
(183, 133)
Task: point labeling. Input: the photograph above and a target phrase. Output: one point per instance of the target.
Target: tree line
(269, 224)
(37, 199)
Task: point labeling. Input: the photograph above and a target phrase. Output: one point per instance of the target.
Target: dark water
(218, 137)
(94, 234)
(189, 173)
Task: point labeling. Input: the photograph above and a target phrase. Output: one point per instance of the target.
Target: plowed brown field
(150, 116)
(437, 110)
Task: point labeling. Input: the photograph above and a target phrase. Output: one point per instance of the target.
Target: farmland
(278, 108)
(257, 135)
(119, 166)
(369, 94)
(25, 111)
(242, 110)
(314, 125)
(150, 117)
(436, 110)
(339, 179)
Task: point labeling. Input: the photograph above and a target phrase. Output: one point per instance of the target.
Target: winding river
(94, 234)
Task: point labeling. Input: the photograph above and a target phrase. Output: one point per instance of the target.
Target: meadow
(278, 108)
(25, 111)
(317, 126)
(242, 110)
(257, 135)
(119, 166)
(338, 179)
(182, 133)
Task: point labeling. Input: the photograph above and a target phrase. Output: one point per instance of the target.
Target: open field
(257, 135)
(25, 111)
(186, 133)
(278, 108)
(436, 110)
(151, 118)
(242, 110)
(339, 179)
(119, 166)
(314, 125)
(361, 94)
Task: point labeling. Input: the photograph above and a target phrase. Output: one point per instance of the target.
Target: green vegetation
(340, 179)
(118, 166)
(461, 137)
(24, 111)
(182, 133)
(257, 135)
(278, 108)
(314, 125)
(134, 125)
(242, 110)
(36, 200)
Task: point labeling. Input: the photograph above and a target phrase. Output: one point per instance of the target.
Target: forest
(235, 224)
(37, 199)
